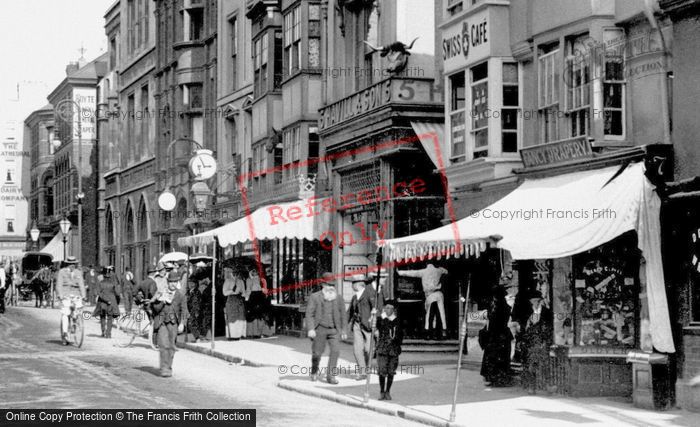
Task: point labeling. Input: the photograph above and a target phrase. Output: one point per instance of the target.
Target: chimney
(72, 67)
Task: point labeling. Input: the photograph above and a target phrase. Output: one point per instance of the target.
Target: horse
(40, 283)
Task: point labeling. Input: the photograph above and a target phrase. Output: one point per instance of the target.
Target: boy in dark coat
(389, 339)
(169, 320)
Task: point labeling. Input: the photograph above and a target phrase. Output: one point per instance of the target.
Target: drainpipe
(650, 7)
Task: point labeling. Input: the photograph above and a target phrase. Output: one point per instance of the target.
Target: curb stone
(386, 409)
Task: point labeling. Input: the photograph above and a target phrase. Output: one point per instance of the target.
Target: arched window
(110, 227)
(143, 222)
(129, 225)
(181, 211)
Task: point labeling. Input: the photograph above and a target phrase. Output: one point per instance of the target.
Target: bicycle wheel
(125, 331)
(78, 330)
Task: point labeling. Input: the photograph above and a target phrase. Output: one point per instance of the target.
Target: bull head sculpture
(397, 54)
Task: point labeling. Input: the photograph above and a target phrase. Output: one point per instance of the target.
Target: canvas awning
(431, 135)
(55, 247)
(301, 219)
(561, 216)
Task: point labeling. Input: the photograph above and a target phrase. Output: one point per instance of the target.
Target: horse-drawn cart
(37, 278)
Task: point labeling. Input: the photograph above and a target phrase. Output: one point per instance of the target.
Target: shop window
(614, 90)
(511, 109)
(606, 292)
(548, 93)
(457, 116)
(292, 41)
(577, 81)
(479, 110)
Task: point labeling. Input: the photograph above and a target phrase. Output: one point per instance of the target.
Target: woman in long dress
(495, 364)
(256, 307)
(234, 290)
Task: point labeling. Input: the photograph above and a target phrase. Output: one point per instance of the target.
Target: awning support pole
(462, 337)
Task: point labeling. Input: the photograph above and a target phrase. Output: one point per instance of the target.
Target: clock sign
(203, 165)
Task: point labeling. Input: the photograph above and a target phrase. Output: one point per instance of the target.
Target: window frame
(517, 108)
(454, 111)
(622, 82)
(574, 68)
(482, 151)
(548, 111)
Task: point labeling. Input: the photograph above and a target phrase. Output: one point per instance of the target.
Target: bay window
(511, 108)
(577, 80)
(479, 110)
(292, 41)
(260, 49)
(614, 89)
(548, 94)
(457, 114)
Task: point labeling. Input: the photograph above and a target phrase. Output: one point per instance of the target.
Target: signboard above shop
(556, 152)
(467, 41)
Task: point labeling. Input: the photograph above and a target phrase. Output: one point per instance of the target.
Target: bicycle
(131, 325)
(76, 328)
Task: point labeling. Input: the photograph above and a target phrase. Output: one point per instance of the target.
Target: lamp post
(34, 233)
(65, 228)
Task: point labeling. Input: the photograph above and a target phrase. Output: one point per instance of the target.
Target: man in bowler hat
(363, 307)
(170, 315)
(325, 321)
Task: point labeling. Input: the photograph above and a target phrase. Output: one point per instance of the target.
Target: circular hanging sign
(166, 201)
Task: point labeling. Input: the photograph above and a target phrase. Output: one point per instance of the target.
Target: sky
(37, 40)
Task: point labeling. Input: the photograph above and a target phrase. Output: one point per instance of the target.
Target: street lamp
(65, 228)
(34, 233)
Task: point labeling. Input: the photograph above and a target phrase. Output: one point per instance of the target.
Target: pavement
(424, 385)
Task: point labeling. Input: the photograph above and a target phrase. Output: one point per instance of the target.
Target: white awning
(560, 216)
(301, 219)
(55, 247)
(431, 136)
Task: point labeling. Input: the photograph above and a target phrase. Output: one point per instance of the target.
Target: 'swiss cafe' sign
(466, 41)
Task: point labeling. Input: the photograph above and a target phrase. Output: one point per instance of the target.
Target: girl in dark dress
(495, 364)
(537, 339)
(389, 338)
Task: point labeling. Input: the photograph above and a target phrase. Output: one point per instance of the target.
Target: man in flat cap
(325, 322)
(170, 315)
(107, 307)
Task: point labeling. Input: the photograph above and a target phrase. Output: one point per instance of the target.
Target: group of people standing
(533, 338)
(248, 312)
(327, 322)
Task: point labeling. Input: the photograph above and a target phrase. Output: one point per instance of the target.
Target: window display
(605, 290)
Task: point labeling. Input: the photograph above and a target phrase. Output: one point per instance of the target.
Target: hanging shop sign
(556, 152)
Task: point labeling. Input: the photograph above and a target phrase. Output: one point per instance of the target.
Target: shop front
(586, 235)
(381, 153)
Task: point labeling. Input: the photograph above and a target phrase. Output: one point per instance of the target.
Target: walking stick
(462, 337)
(373, 321)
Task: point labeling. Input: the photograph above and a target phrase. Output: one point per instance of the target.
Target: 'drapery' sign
(466, 41)
(86, 99)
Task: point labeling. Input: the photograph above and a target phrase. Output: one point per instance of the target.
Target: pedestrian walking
(169, 320)
(128, 289)
(363, 308)
(92, 284)
(389, 339)
(233, 290)
(107, 307)
(536, 340)
(325, 321)
(198, 306)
